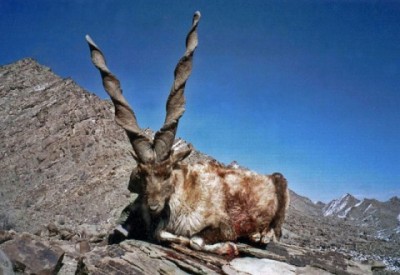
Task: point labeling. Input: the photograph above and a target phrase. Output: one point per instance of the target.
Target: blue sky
(307, 88)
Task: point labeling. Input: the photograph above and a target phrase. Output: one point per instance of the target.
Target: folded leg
(198, 243)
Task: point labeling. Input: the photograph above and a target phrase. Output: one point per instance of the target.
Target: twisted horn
(175, 108)
(124, 115)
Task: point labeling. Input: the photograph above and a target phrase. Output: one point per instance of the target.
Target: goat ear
(181, 155)
(136, 183)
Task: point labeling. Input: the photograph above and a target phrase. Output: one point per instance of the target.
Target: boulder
(33, 256)
(6, 267)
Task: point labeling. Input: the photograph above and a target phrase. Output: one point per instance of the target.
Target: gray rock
(6, 267)
(33, 256)
(6, 236)
(261, 266)
(136, 257)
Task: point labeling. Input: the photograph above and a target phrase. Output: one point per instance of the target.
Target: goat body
(212, 203)
(205, 205)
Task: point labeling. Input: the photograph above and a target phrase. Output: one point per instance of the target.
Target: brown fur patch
(239, 207)
(191, 188)
(184, 169)
(162, 170)
(214, 165)
(221, 233)
(223, 172)
(283, 199)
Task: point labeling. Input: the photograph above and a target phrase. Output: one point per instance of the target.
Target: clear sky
(307, 88)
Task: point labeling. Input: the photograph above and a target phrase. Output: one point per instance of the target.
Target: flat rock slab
(137, 257)
(33, 256)
(307, 261)
(256, 266)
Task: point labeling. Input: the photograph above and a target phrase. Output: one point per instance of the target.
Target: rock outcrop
(60, 149)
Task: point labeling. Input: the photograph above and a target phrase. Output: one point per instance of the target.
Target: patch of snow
(337, 205)
(392, 263)
(343, 196)
(331, 207)
(398, 217)
(382, 235)
(39, 87)
(344, 215)
(358, 203)
(261, 266)
(369, 206)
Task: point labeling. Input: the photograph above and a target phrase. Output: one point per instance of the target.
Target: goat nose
(153, 207)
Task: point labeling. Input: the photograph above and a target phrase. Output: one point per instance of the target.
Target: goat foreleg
(172, 238)
(197, 243)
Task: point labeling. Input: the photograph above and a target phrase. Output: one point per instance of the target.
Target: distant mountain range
(383, 216)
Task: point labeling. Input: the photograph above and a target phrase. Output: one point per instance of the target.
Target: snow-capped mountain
(383, 217)
(340, 207)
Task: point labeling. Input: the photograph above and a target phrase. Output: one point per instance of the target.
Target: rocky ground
(333, 234)
(64, 171)
(62, 251)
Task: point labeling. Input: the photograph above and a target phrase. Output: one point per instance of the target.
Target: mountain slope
(59, 150)
(304, 205)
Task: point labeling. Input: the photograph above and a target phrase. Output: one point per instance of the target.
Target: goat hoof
(265, 239)
(197, 243)
(256, 238)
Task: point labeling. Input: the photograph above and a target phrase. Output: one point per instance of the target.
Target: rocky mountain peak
(340, 207)
(395, 200)
(381, 217)
(58, 148)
